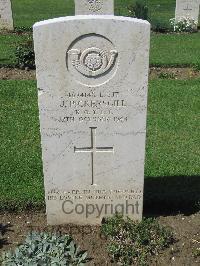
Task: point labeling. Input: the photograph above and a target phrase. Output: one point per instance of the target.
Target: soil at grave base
(155, 72)
(186, 230)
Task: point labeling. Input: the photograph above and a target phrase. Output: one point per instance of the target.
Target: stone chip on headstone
(92, 76)
(6, 20)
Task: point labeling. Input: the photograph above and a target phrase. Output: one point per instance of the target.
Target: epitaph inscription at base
(92, 75)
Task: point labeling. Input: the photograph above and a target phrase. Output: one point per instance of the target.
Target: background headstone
(94, 7)
(6, 20)
(187, 8)
(92, 76)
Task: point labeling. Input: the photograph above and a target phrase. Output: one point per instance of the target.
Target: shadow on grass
(172, 195)
(3, 229)
(4, 63)
(4, 59)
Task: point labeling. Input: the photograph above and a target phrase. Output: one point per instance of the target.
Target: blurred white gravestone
(6, 20)
(92, 76)
(187, 8)
(94, 7)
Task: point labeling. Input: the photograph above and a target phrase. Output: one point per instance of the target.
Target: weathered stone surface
(187, 8)
(94, 7)
(6, 20)
(92, 75)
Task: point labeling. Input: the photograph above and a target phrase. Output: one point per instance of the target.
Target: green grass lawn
(173, 128)
(8, 44)
(21, 167)
(172, 142)
(175, 49)
(27, 12)
(166, 49)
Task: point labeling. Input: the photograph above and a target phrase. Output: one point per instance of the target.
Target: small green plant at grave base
(183, 24)
(23, 29)
(158, 25)
(196, 252)
(46, 249)
(139, 10)
(132, 242)
(164, 75)
(25, 55)
(196, 66)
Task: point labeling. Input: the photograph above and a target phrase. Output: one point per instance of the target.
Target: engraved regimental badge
(94, 5)
(91, 59)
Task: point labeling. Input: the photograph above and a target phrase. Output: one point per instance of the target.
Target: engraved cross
(93, 150)
(187, 8)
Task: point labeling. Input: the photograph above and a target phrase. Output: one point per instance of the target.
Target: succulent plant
(44, 249)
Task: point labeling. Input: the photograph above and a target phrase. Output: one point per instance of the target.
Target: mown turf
(27, 12)
(175, 49)
(172, 155)
(21, 167)
(166, 49)
(8, 44)
(173, 128)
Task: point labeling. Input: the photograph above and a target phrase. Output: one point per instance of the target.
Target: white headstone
(6, 20)
(187, 8)
(92, 76)
(94, 7)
